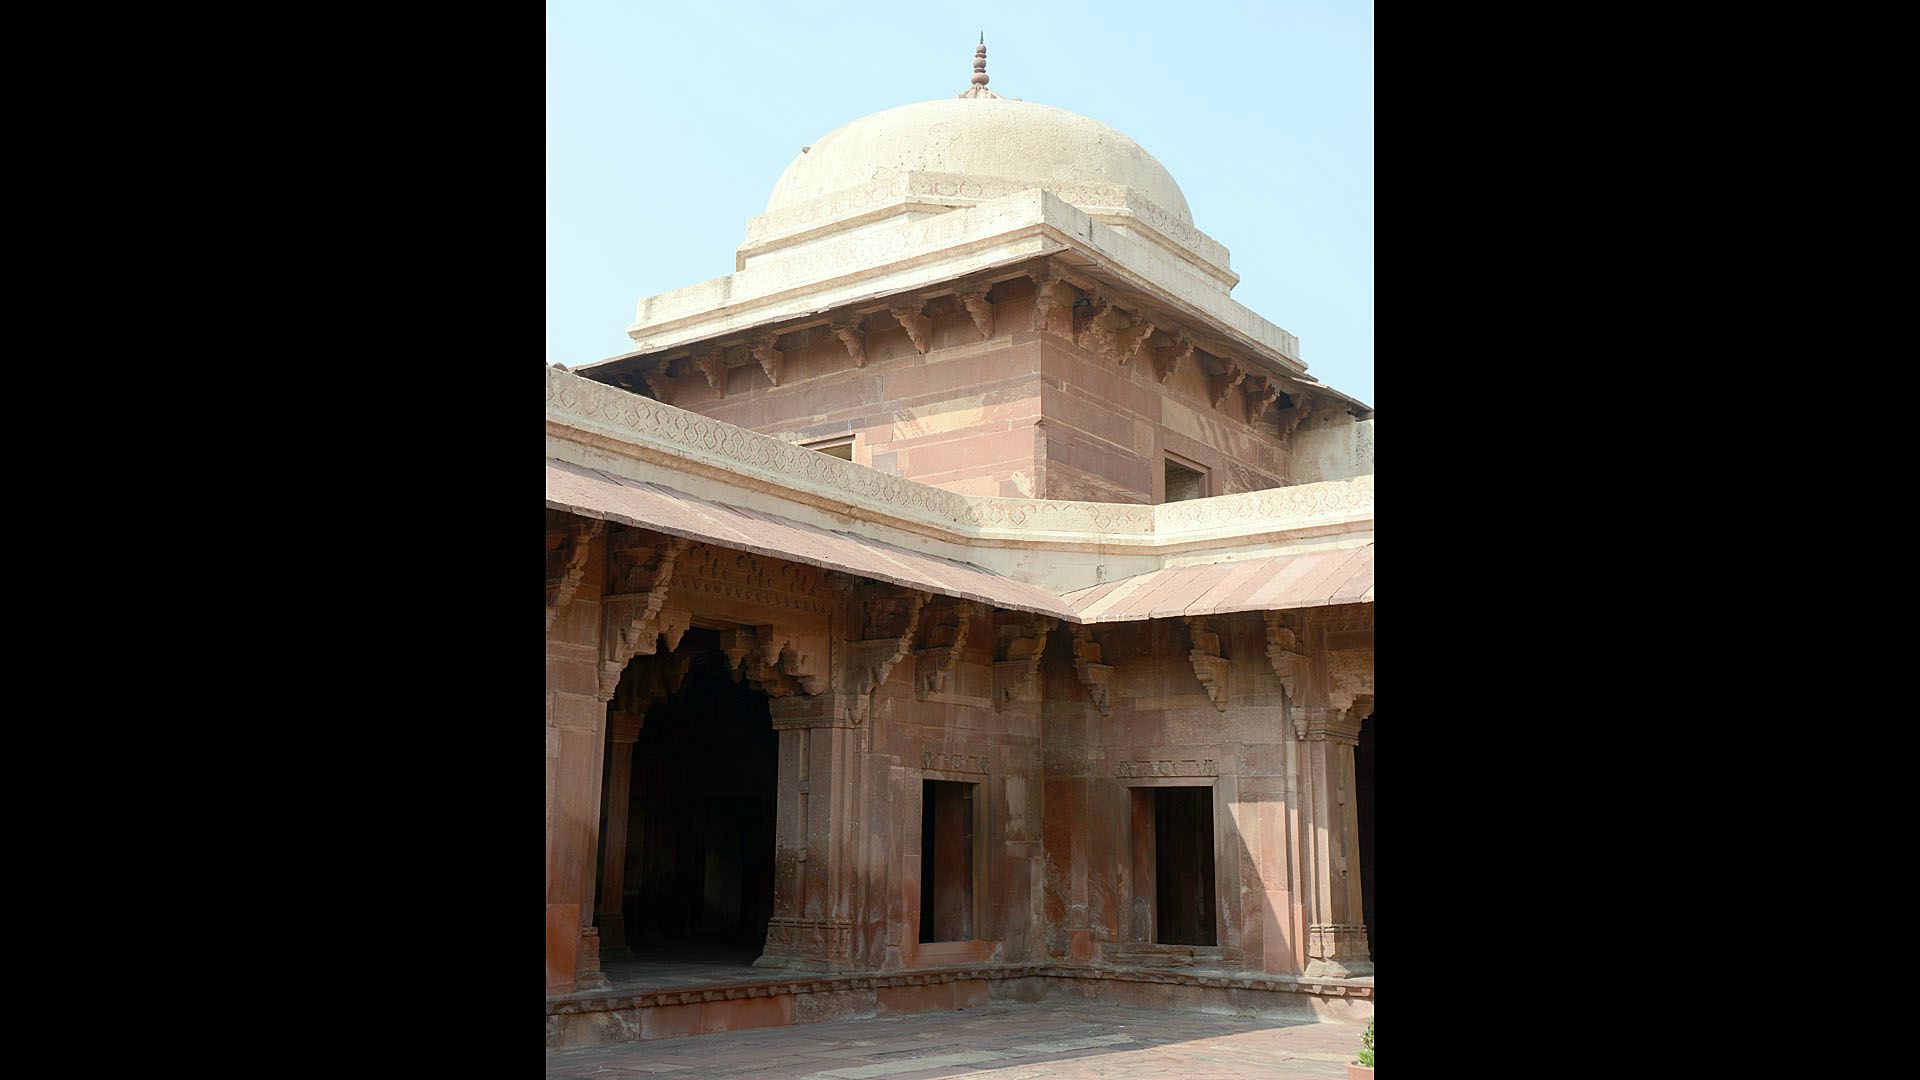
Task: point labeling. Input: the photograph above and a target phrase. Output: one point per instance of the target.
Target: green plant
(1366, 1041)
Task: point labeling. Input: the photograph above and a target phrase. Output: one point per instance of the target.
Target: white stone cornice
(640, 428)
(870, 264)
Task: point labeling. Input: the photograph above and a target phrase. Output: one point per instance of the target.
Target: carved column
(1336, 936)
(814, 834)
(576, 738)
(623, 729)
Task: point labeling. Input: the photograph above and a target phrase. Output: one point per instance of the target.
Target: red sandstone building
(964, 600)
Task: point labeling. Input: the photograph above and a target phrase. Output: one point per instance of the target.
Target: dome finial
(979, 87)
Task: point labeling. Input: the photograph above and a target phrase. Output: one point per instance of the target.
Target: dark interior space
(700, 834)
(1183, 865)
(946, 860)
(1363, 800)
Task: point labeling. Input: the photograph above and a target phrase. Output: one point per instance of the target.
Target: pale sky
(668, 122)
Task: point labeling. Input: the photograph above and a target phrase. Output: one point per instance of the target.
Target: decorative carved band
(811, 939)
(945, 762)
(1185, 767)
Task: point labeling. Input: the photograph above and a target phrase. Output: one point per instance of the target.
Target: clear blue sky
(668, 122)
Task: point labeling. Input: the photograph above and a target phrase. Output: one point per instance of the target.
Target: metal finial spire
(979, 87)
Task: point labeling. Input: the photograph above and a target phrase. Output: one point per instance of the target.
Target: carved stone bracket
(1129, 342)
(1282, 651)
(1219, 385)
(1208, 665)
(890, 622)
(661, 383)
(1261, 394)
(916, 324)
(735, 645)
(772, 360)
(636, 615)
(776, 662)
(1098, 333)
(946, 639)
(1291, 417)
(1094, 675)
(714, 366)
(567, 551)
(974, 298)
(1167, 361)
(851, 335)
(1050, 291)
(1017, 672)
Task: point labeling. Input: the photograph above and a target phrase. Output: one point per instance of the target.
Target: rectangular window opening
(1182, 838)
(1184, 483)
(840, 446)
(946, 860)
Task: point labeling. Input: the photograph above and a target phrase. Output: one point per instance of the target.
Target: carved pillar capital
(1326, 723)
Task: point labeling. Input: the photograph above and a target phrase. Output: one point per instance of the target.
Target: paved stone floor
(1000, 1042)
(682, 967)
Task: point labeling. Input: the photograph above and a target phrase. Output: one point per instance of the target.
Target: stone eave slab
(871, 265)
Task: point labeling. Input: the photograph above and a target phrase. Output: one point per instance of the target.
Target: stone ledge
(611, 1000)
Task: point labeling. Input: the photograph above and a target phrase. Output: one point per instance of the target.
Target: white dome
(978, 136)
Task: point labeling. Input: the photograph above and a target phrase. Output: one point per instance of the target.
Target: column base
(808, 944)
(588, 976)
(1337, 952)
